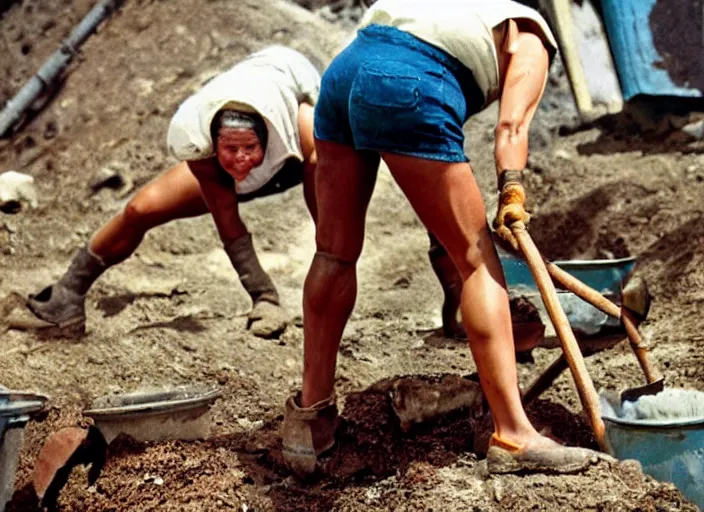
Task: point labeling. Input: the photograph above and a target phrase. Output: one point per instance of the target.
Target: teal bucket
(669, 451)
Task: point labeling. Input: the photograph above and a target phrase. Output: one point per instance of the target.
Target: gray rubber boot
(63, 303)
(267, 318)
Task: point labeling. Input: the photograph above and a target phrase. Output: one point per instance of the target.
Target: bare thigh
(174, 194)
(448, 201)
(344, 182)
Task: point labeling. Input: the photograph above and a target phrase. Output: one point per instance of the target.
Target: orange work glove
(512, 200)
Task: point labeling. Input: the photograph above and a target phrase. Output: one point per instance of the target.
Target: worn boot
(63, 303)
(267, 319)
(545, 456)
(451, 283)
(307, 433)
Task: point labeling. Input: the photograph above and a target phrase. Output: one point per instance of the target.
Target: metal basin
(670, 451)
(16, 409)
(175, 413)
(589, 324)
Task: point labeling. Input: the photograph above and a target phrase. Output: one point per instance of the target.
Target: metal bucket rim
(596, 263)
(154, 407)
(12, 409)
(662, 424)
(18, 403)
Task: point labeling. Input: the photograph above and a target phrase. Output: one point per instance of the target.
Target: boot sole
(24, 319)
(503, 463)
(304, 461)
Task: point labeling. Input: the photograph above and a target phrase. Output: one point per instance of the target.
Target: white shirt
(462, 28)
(273, 83)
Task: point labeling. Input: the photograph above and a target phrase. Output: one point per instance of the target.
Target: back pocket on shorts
(388, 84)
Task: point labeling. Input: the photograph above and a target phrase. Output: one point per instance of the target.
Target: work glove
(267, 318)
(512, 199)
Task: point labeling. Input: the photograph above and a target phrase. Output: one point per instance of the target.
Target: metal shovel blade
(652, 388)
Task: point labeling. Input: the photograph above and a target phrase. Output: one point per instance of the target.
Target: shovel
(655, 380)
(585, 387)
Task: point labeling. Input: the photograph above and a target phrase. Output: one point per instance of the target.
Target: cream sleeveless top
(273, 83)
(462, 28)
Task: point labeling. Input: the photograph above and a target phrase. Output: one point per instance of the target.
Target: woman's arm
(523, 88)
(310, 158)
(218, 190)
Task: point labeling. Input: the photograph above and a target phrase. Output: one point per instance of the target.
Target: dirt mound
(374, 466)
(173, 314)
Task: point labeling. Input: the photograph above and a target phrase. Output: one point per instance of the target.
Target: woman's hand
(512, 200)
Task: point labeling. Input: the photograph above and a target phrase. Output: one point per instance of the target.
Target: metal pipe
(55, 65)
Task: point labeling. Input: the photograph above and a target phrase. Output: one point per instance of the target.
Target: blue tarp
(656, 46)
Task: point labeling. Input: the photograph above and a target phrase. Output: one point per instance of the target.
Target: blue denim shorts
(388, 91)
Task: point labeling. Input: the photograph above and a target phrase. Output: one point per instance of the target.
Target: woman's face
(239, 151)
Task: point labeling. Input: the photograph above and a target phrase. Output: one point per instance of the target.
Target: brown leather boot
(307, 433)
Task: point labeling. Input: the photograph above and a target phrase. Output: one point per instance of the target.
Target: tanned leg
(344, 183)
(175, 194)
(448, 201)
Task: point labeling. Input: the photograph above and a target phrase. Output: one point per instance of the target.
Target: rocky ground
(174, 313)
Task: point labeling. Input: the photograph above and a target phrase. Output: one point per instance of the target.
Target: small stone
(141, 23)
(402, 282)
(247, 424)
(16, 190)
(81, 7)
(188, 347)
(107, 177)
(632, 465)
(498, 490)
(155, 479)
(695, 130)
(563, 154)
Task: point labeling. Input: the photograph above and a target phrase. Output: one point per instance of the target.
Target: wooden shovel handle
(589, 294)
(545, 379)
(573, 355)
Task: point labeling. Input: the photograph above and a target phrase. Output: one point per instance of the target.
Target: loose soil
(175, 312)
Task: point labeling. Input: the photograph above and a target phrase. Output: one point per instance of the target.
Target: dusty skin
(175, 312)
